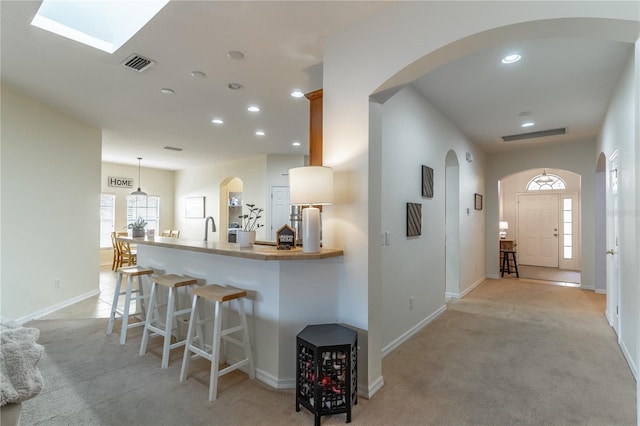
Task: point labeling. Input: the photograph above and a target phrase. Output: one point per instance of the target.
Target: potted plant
(247, 236)
(137, 227)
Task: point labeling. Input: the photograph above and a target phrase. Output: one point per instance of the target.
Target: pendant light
(544, 179)
(139, 191)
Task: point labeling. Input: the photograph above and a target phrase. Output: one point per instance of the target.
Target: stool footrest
(234, 341)
(232, 367)
(231, 330)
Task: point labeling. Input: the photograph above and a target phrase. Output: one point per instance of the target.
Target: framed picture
(194, 208)
(427, 182)
(478, 202)
(414, 219)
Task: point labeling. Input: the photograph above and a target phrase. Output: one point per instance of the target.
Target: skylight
(103, 24)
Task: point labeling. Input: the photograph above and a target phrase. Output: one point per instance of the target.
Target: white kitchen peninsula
(286, 291)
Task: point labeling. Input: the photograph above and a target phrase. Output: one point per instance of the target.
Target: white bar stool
(219, 295)
(153, 323)
(130, 272)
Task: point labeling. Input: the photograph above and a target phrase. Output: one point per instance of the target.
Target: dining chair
(166, 233)
(175, 234)
(116, 252)
(127, 255)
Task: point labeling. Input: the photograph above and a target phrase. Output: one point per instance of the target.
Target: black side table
(326, 370)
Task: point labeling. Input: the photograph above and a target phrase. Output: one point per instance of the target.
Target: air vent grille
(137, 63)
(539, 134)
(173, 148)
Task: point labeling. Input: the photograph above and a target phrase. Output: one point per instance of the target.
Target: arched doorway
(543, 209)
(452, 225)
(230, 208)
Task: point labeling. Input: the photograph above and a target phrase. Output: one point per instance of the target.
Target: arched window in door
(546, 182)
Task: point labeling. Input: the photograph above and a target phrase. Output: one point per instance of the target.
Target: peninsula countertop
(257, 251)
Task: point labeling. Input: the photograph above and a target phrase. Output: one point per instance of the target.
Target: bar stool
(219, 295)
(508, 260)
(130, 272)
(153, 323)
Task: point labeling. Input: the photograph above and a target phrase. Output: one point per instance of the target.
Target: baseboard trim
(57, 307)
(627, 356)
(465, 292)
(373, 388)
(413, 330)
(600, 291)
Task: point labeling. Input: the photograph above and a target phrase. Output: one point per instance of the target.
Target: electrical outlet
(411, 303)
(56, 283)
(387, 238)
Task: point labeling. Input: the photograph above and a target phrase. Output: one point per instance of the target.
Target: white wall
(365, 57)
(415, 134)
(50, 165)
(257, 173)
(154, 182)
(621, 130)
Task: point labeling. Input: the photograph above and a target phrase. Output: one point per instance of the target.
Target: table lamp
(503, 229)
(309, 186)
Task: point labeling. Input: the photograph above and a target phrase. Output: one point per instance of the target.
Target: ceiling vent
(173, 148)
(137, 63)
(539, 134)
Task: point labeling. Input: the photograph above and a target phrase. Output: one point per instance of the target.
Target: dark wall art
(414, 219)
(478, 202)
(427, 182)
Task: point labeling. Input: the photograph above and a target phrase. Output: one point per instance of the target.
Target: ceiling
(560, 82)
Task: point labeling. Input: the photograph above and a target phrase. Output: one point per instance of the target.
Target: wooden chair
(166, 233)
(175, 234)
(127, 255)
(116, 252)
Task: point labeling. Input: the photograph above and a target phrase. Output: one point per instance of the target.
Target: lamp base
(311, 230)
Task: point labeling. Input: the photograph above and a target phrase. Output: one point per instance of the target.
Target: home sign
(286, 237)
(120, 182)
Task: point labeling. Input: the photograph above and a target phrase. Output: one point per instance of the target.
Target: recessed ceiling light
(217, 121)
(511, 59)
(297, 94)
(295, 143)
(235, 54)
(167, 91)
(527, 124)
(253, 108)
(198, 74)
(235, 86)
(260, 133)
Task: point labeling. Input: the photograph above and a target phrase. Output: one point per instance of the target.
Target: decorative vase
(137, 233)
(246, 238)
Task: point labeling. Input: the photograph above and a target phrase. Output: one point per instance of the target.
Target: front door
(538, 229)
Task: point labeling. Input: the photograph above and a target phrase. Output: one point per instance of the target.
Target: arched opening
(230, 208)
(542, 208)
(452, 225)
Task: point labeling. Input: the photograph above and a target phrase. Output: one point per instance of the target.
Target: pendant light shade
(139, 191)
(544, 178)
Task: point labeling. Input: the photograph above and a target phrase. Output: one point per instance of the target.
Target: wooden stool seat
(219, 295)
(152, 323)
(508, 261)
(130, 295)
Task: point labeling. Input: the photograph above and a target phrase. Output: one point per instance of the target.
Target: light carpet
(510, 353)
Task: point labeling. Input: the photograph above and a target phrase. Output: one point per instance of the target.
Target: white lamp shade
(503, 225)
(311, 185)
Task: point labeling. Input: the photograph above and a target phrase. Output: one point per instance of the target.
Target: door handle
(555, 235)
(612, 251)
